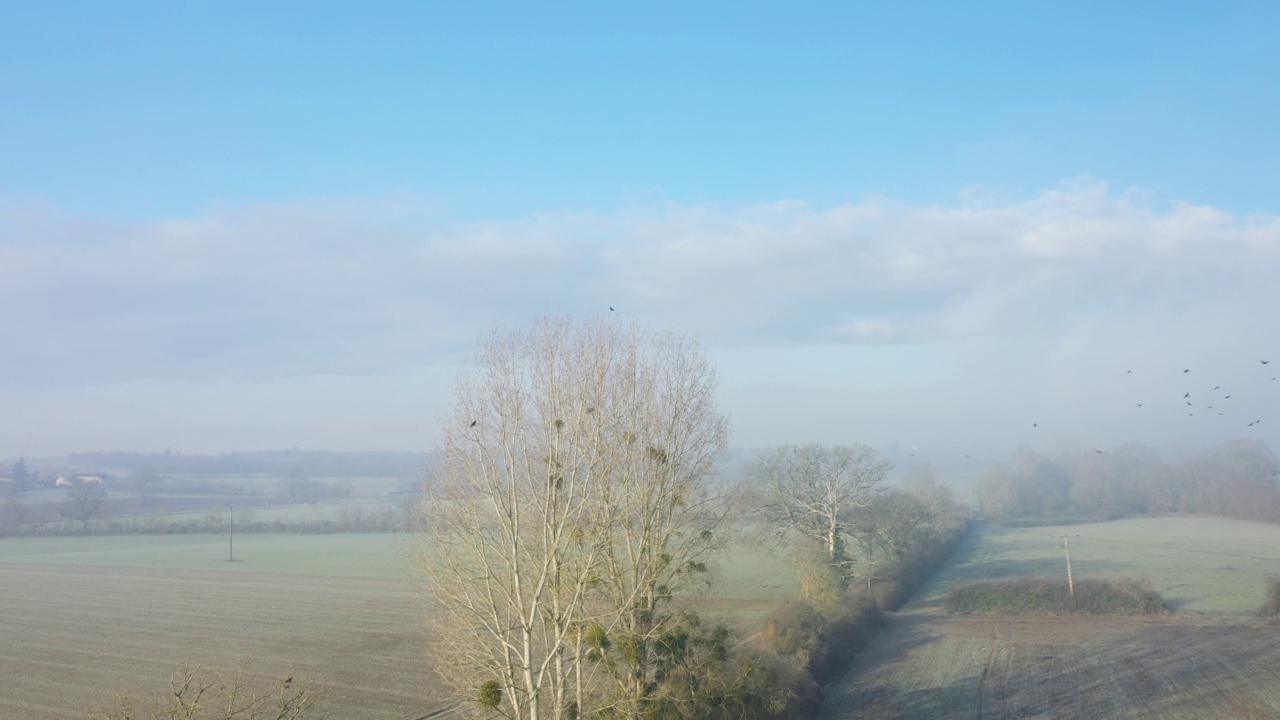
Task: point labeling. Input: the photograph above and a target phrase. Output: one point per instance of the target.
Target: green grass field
(1210, 659)
(1202, 566)
(84, 617)
(360, 555)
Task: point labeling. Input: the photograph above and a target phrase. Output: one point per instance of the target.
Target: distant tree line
(270, 462)
(1235, 479)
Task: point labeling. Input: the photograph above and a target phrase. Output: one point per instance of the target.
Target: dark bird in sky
(1265, 362)
(1139, 404)
(1249, 425)
(1128, 372)
(1216, 387)
(1035, 424)
(1098, 451)
(1187, 370)
(611, 309)
(1188, 402)
(1191, 414)
(473, 424)
(966, 456)
(1184, 397)
(1226, 397)
(1210, 407)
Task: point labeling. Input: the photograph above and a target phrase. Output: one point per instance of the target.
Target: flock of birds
(1186, 397)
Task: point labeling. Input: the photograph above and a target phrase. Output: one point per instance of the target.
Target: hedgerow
(1043, 596)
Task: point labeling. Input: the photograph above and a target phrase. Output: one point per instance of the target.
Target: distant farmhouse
(85, 479)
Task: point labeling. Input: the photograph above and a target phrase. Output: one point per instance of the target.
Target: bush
(1041, 596)
(1271, 606)
(818, 644)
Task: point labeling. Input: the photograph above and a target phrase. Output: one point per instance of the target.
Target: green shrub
(1042, 596)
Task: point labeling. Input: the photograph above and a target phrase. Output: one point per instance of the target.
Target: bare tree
(569, 504)
(814, 490)
(11, 513)
(893, 522)
(85, 500)
(144, 479)
(196, 695)
(663, 434)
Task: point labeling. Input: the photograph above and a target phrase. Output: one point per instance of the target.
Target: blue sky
(237, 225)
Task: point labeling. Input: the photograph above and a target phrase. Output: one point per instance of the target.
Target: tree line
(1237, 478)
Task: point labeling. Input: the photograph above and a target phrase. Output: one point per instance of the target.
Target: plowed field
(1000, 668)
(72, 635)
(1206, 660)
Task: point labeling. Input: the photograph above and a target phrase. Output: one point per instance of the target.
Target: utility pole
(231, 533)
(1071, 584)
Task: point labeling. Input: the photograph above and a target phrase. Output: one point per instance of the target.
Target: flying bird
(1187, 370)
(1249, 425)
(1265, 362)
(1226, 397)
(1098, 451)
(1188, 402)
(1184, 397)
(1128, 372)
(473, 424)
(611, 309)
(1139, 404)
(1216, 387)
(1035, 424)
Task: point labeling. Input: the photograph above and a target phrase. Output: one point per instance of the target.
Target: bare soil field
(995, 668)
(72, 635)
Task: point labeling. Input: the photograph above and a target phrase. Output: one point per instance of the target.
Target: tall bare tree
(569, 503)
(663, 434)
(813, 490)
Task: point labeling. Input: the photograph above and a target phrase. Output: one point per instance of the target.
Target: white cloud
(373, 286)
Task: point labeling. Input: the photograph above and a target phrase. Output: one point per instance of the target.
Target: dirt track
(933, 666)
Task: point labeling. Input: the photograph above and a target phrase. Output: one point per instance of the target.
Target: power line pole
(231, 533)
(1071, 584)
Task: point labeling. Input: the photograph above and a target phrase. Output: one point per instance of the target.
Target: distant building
(86, 479)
